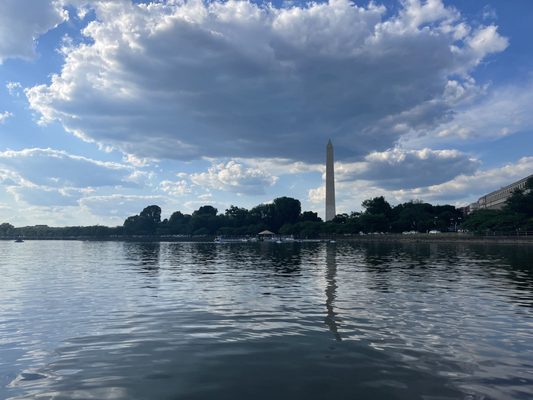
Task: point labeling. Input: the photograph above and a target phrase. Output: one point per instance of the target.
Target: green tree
(521, 202)
(206, 210)
(374, 223)
(145, 223)
(414, 215)
(6, 229)
(341, 218)
(265, 215)
(178, 223)
(237, 216)
(309, 229)
(177, 218)
(151, 214)
(287, 210)
(133, 225)
(481, 220)
(204, 221)
(377, 205)
(310, 216)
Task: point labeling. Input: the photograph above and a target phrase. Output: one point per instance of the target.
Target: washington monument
(330, 183)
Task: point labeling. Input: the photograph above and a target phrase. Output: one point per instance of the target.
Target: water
(114, 320)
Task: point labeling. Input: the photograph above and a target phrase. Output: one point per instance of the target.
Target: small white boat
(220, 239)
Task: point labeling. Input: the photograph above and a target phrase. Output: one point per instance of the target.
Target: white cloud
(54, 178)
(136, 161)
(486, 40)
(14, 88)
(10, 178)
(56, 168)
(317, 195)
(23, 21)
(183, 80)
(175, 188)
(139, 178)
(505, 111)
(4, 116)
(400, 168)
(206, 197)
(234, 177)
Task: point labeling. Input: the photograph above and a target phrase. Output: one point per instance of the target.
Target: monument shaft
(330, 183)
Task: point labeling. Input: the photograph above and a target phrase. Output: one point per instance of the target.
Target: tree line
(285, 216)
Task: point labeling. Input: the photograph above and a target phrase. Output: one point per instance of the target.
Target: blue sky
(109, 106)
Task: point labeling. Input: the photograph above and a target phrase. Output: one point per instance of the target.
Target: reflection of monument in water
(330, 183)
(331, 291)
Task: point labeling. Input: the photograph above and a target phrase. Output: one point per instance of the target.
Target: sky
(108, 106)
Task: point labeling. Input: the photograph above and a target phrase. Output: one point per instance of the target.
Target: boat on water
(271, 239)
(19, 240)
(220, 239)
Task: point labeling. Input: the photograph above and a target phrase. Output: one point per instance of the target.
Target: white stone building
(496, 200)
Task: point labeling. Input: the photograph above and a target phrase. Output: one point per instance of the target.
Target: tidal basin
(124, 320)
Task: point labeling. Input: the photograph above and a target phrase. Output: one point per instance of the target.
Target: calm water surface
(113, 320)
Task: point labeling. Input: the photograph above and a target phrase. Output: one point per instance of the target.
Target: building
(330, 183)
(496, 200)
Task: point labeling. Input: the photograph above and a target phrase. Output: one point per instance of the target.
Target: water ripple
(113, 320)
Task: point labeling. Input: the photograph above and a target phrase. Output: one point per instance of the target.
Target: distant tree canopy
(48, 232)
(235, 221)
(6, 228)
(377, 206)
(146, 223)
(205, 210)
(284, 215)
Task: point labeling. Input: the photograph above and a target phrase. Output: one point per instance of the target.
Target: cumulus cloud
(234, 177)
(56, 168)
(4, 116)
(22, 22)
(14, 88)
(399, 168)
(175, 188)
(182, 80)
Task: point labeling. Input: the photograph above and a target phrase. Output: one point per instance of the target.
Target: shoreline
(384, 238)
